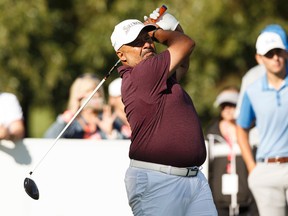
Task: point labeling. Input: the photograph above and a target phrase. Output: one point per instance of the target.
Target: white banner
(77, 177)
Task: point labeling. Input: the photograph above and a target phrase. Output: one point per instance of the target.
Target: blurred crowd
(98, 119)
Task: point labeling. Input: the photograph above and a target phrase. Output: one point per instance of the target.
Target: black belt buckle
(192, 172)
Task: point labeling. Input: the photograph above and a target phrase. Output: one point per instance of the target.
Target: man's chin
(149, 55)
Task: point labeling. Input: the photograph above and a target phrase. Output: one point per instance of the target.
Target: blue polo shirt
(269, 107)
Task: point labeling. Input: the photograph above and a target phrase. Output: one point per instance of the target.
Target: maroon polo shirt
(165, 126)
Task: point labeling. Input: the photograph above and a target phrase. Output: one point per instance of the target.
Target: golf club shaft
(75, 115)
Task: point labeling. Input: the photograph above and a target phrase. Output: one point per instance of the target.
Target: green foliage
(45, 45)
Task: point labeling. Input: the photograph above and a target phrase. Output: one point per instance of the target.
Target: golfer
(167, 146)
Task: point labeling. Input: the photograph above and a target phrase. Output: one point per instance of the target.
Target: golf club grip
(162, 10)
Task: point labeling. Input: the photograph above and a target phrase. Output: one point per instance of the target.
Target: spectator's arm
(14, 132)
(247, 154)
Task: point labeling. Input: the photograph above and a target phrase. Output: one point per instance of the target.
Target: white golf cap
(268, 41)
(226, 96)
(114, 88)
(127, 31)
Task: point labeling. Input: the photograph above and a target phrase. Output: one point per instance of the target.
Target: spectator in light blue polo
(265, 102)
(257, 71)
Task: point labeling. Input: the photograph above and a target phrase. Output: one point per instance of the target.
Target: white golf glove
(166, 21)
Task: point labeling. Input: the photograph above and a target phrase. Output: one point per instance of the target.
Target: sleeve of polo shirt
(247, 114)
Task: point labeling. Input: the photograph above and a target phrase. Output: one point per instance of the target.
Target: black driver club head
(31, 188)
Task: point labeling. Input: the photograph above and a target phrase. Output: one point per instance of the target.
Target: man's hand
(166, 21)
(4, 133)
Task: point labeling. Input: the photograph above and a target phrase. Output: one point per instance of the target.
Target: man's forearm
(16, 131)
(243, 141)
(183, 68)
(180, 47)
(170, 38)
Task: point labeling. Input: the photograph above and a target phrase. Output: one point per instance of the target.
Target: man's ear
(121, 56)
(259, 59)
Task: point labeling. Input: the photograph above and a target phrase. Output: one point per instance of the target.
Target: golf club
(29, 185)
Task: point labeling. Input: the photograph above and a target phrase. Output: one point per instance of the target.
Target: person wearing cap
(118, 114)
(252, 75)
(11, 118)
(93, 122)
(225, 159)
(265, 103)
(167, 144)
(259, 70)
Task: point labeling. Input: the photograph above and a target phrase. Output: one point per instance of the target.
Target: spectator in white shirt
(11, 118)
